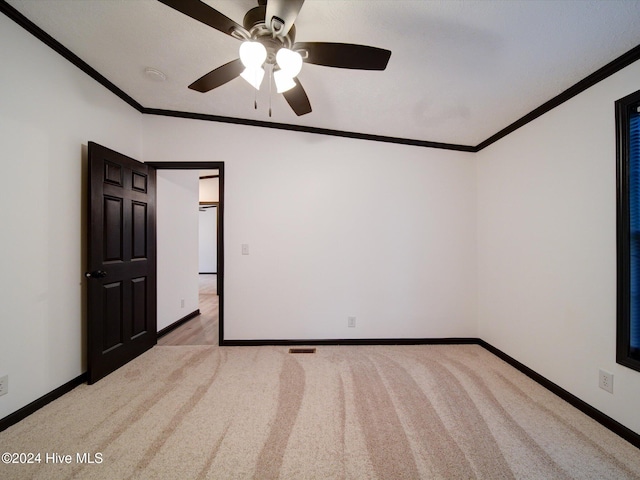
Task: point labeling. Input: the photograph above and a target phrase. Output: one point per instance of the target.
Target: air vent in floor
(302, 350)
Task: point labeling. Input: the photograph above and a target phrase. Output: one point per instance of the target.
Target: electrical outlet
(4, 385)
(351, 322)
(182, 303)
(606, 381)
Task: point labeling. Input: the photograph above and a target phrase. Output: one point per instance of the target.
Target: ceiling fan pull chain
(270, 82)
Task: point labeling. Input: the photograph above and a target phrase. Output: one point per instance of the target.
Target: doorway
(211, 298)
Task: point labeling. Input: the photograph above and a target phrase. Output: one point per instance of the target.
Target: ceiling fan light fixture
(253, 76)
(268, 42)
(283, 80)
(252, 54)
(289, 61)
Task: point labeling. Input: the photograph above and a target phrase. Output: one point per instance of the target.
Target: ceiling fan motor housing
(254, 22)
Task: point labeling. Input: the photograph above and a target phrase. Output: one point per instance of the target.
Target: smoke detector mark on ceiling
(155, 74)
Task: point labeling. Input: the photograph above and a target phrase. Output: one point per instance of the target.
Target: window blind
(634, 224)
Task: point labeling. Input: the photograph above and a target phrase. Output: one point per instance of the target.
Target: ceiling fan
(268, 40)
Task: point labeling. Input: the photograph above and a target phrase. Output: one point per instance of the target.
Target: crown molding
(51, 42)
(609, 69)
(305, 129)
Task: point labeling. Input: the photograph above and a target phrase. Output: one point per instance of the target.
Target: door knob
(96, 274)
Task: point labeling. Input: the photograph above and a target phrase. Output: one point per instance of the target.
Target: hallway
(203, 329)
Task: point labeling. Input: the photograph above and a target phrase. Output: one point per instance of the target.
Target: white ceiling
(460, 70)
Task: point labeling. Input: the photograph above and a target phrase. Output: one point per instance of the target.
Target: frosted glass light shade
(289, 61)
(283, 81)
(254, 76)
(252, 54)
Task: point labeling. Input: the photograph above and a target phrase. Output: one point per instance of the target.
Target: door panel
(112, 322)
(112, 235)
(122, 245)
(139, 230)
(139, 289)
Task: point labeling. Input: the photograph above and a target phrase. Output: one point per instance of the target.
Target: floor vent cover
(302, 350)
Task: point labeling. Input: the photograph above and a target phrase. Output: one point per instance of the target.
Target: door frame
(220, 247)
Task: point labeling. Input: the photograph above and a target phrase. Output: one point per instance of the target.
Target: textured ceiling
(460, 71)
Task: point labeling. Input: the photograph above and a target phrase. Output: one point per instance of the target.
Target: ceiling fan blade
(297, 99)
(285, 10)
(345, 55)
(219, 76)
(204, 13)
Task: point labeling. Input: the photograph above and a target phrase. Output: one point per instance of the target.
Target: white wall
(177, 229)
(208, 240)
(49, 110)
(547, 247)
(210, 188)
(336, 227)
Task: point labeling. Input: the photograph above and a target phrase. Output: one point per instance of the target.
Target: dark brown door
(122, 260)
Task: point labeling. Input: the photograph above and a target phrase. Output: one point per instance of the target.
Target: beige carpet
(387, 412)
